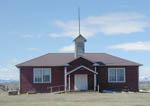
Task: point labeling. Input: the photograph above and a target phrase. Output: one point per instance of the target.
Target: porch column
(65, 79)
(95, 79)
(95, 75)
(69, 82)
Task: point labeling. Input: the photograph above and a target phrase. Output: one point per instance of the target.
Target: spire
(79, 36)
(79, 18)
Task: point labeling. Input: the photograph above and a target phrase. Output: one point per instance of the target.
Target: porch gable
(82, 66)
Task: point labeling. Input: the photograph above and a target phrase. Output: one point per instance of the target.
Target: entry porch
(80, 78)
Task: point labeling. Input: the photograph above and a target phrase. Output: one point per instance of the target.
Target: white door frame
(85, 82)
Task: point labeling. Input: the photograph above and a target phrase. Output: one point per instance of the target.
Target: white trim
(65, 78)
(34, 69)
(116, 76)
(81, 67)
(20, 79)
(138, 79)
(69, 82)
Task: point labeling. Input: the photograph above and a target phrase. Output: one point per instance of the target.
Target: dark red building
(78, 71)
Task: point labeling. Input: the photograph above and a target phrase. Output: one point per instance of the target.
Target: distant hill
(9, 81)
(145, 80)
(9, 84)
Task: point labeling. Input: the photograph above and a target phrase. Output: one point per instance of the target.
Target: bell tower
(79, 46)
(79, 41)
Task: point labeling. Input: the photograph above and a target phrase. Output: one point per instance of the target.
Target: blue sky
(30, 28)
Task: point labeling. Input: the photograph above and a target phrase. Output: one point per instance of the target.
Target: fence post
(59, 88)
(98, 88)
(51, 89)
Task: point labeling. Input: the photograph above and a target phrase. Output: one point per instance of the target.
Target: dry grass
(145, 87)
(77, 99)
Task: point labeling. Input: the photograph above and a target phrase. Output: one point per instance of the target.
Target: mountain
(9, 81)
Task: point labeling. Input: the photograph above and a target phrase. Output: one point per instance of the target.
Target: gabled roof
(80, 37)
(60, 59)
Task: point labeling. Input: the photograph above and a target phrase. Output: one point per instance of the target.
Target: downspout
(95, 79)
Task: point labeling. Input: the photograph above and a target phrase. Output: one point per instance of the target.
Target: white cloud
(9, 72)
(32, 49)
(31, 35)
(26, 35)
(136, 46)
(15, 60)
(144, 71)
(69, 48)
(110, 24)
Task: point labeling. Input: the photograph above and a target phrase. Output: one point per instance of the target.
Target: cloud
(27, 35)
(32, 49)
(136, 46)
(144, 71)
(69, 48)
(9, 72)
(31, 35)
(15, 60)
(109, 24)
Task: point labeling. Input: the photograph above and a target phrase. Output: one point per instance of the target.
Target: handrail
(59, 88)
(3, 87)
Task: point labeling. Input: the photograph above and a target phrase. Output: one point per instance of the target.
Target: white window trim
(34, 69)
(116, 76)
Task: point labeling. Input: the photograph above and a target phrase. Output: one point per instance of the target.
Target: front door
(81, 82)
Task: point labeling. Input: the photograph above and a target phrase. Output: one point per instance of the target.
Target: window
(42, 75)
(80, 46)
(116, 74)
(38, 75)
(120, 74)
(46, 75)
(112, 74)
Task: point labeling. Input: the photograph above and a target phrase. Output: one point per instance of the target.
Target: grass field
(145, 87)
(77, 99)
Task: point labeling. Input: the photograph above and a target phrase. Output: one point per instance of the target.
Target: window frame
(50, 80)
(117, 76)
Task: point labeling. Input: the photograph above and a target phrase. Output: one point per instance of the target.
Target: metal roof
(60, 59)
